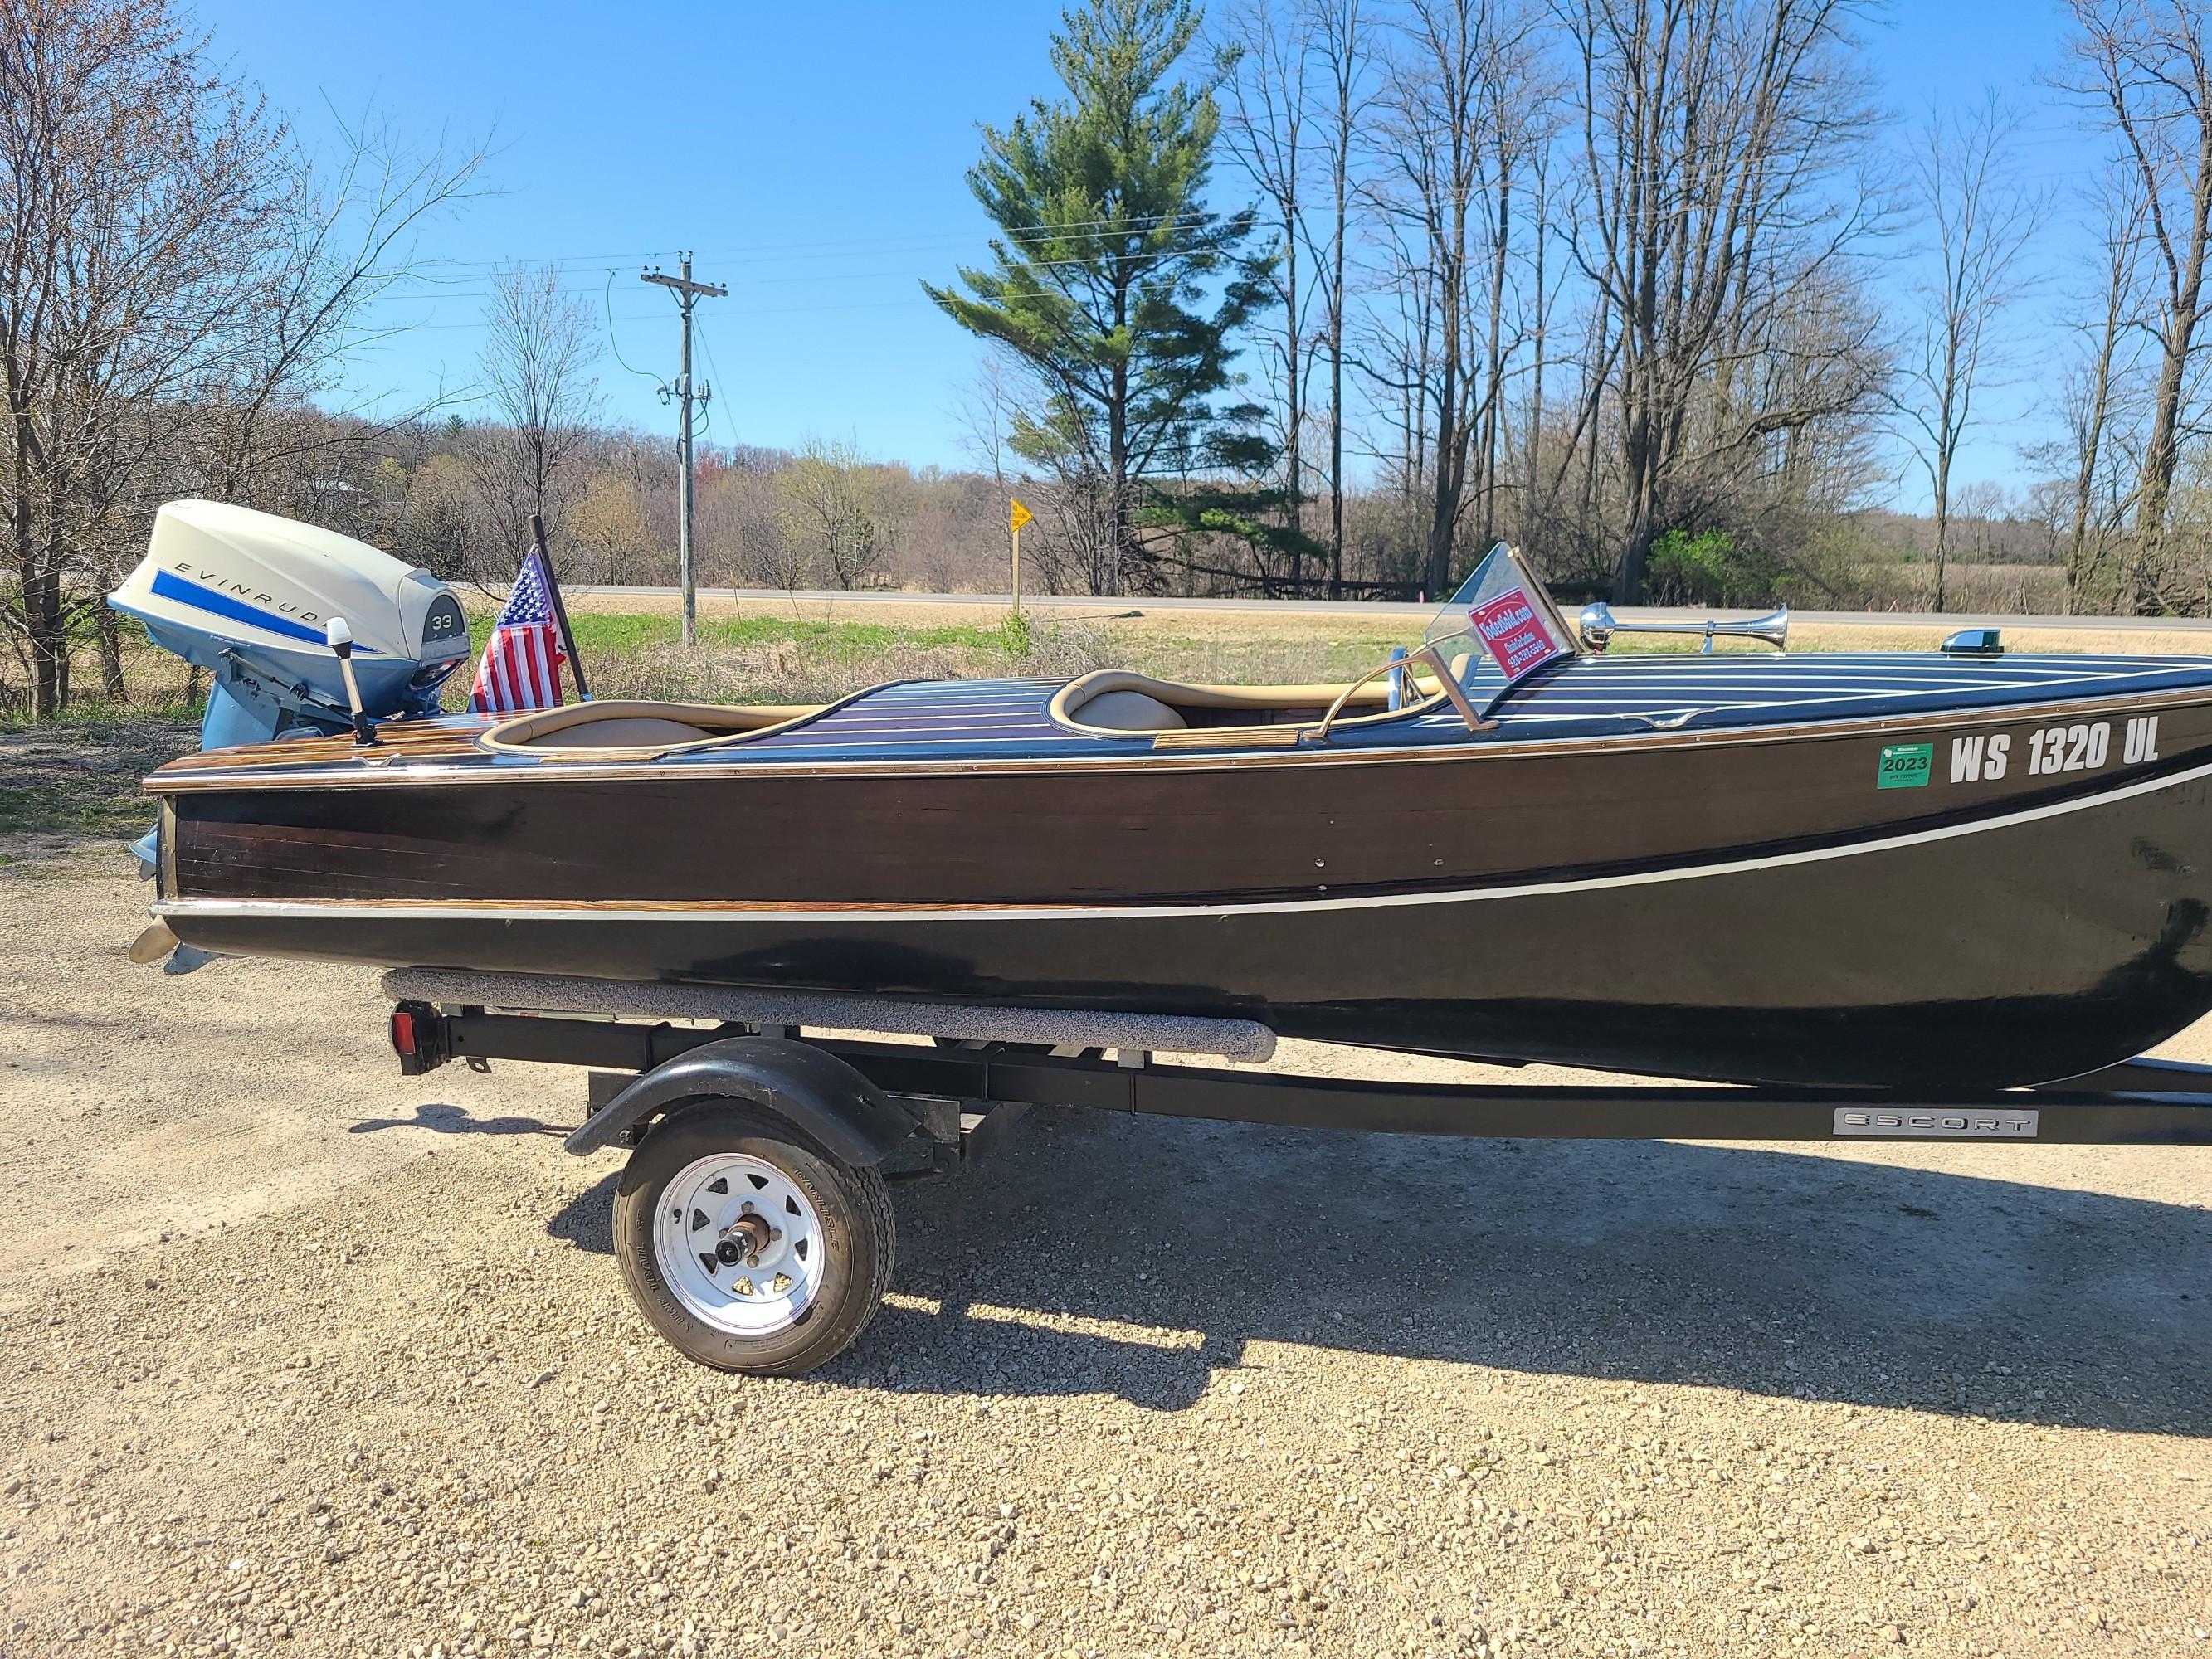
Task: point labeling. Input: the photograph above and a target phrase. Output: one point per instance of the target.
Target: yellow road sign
(1017, 515)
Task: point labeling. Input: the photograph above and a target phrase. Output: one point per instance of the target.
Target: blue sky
(813, 157)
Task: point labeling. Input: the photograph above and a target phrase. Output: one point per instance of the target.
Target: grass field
(771, 658)
(611, 633)
(79, 777)
(774, 653)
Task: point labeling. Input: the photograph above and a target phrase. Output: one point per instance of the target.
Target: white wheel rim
(718, 1208)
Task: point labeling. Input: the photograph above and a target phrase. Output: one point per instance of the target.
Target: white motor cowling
(248, 596)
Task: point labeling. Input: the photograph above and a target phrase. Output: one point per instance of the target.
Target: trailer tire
(707, 1172)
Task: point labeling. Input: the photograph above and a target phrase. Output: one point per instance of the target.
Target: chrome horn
(1598, 626)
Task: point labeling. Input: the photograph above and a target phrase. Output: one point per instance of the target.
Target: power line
(769, 251)
(470, 271)
(507, 261)
(861, 305)
(706, 345)
(1026, 235)
(441, 328)
(615, 344)
(903, 274)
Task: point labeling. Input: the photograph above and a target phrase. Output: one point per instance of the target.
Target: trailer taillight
(402, 1033)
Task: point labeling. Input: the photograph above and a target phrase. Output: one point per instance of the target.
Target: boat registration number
(1986, 757)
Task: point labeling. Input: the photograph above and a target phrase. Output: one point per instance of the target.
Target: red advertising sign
(1516, 632)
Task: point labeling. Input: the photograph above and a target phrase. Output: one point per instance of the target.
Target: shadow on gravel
(444, 1120)
(1183, 1245)
(587, 1220)
(71, 1022)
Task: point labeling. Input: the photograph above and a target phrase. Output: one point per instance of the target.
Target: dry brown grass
(841, 645)
(959, 609)
(1131, 626)
(788, 671)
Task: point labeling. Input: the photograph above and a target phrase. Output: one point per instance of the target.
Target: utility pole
(688, 294)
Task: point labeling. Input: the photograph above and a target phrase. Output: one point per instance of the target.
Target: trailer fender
(815, 1091)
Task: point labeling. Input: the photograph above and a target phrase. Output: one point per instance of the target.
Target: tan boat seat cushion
(623, 731)
(1130, 711)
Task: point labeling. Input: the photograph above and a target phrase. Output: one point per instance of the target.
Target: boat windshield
(1500, 623)
(1500, 628)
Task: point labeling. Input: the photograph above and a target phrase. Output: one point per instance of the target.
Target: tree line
(1303, 297)
(179, 281)
(1612, 278)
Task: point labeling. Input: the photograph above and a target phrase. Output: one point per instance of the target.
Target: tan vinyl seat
(626, 731)
(1131, 711)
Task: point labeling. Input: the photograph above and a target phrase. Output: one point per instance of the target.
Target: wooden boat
(1886, 870)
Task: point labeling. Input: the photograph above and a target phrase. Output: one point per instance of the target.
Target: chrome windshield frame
(1539, 597)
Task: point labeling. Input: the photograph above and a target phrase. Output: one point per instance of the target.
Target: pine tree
(1110, 279)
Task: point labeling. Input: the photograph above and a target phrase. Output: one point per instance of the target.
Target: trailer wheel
(747, 1245)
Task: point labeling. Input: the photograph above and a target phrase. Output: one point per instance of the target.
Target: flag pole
(560, 609)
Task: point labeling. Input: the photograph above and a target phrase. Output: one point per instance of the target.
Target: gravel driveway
(298, 1355)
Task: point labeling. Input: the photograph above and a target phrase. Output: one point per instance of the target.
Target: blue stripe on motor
(167, 586)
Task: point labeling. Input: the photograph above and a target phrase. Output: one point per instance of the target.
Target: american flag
(522, 659)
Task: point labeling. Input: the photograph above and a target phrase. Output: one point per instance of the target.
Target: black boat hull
(2058, 932)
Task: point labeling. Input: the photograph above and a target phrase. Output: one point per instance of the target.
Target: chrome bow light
(1598, 626)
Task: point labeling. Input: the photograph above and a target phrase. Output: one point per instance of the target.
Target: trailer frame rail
(962, 1094)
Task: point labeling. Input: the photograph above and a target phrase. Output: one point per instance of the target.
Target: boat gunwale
(355, 770)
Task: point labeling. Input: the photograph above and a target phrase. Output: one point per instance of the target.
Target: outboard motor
(249, 597)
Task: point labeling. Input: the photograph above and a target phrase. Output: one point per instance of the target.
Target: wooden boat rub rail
(344, 772)
(411, 738)
(678, 910)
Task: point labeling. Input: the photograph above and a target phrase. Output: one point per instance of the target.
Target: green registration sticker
(1904, 766)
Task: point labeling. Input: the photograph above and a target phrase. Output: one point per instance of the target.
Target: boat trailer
(752, 1223)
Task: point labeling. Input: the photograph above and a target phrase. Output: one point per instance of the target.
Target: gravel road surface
(300, 1357)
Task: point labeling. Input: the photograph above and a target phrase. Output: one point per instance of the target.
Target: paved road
(1369, 608)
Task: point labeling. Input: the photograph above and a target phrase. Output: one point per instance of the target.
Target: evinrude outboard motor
(249, 597)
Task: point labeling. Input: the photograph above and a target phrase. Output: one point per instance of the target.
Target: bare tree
(826, 515)
(1979, 217)
(743, 511)
(1394, 337)
(1337, 39)
(987, 412)
(1722, 150)
(348, 227)
(2090, 398)
(608, 523)
(536, 361)
(1263, 62)
(1456, 138)
(117, 154)
(168, 297)
(2144, 63)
